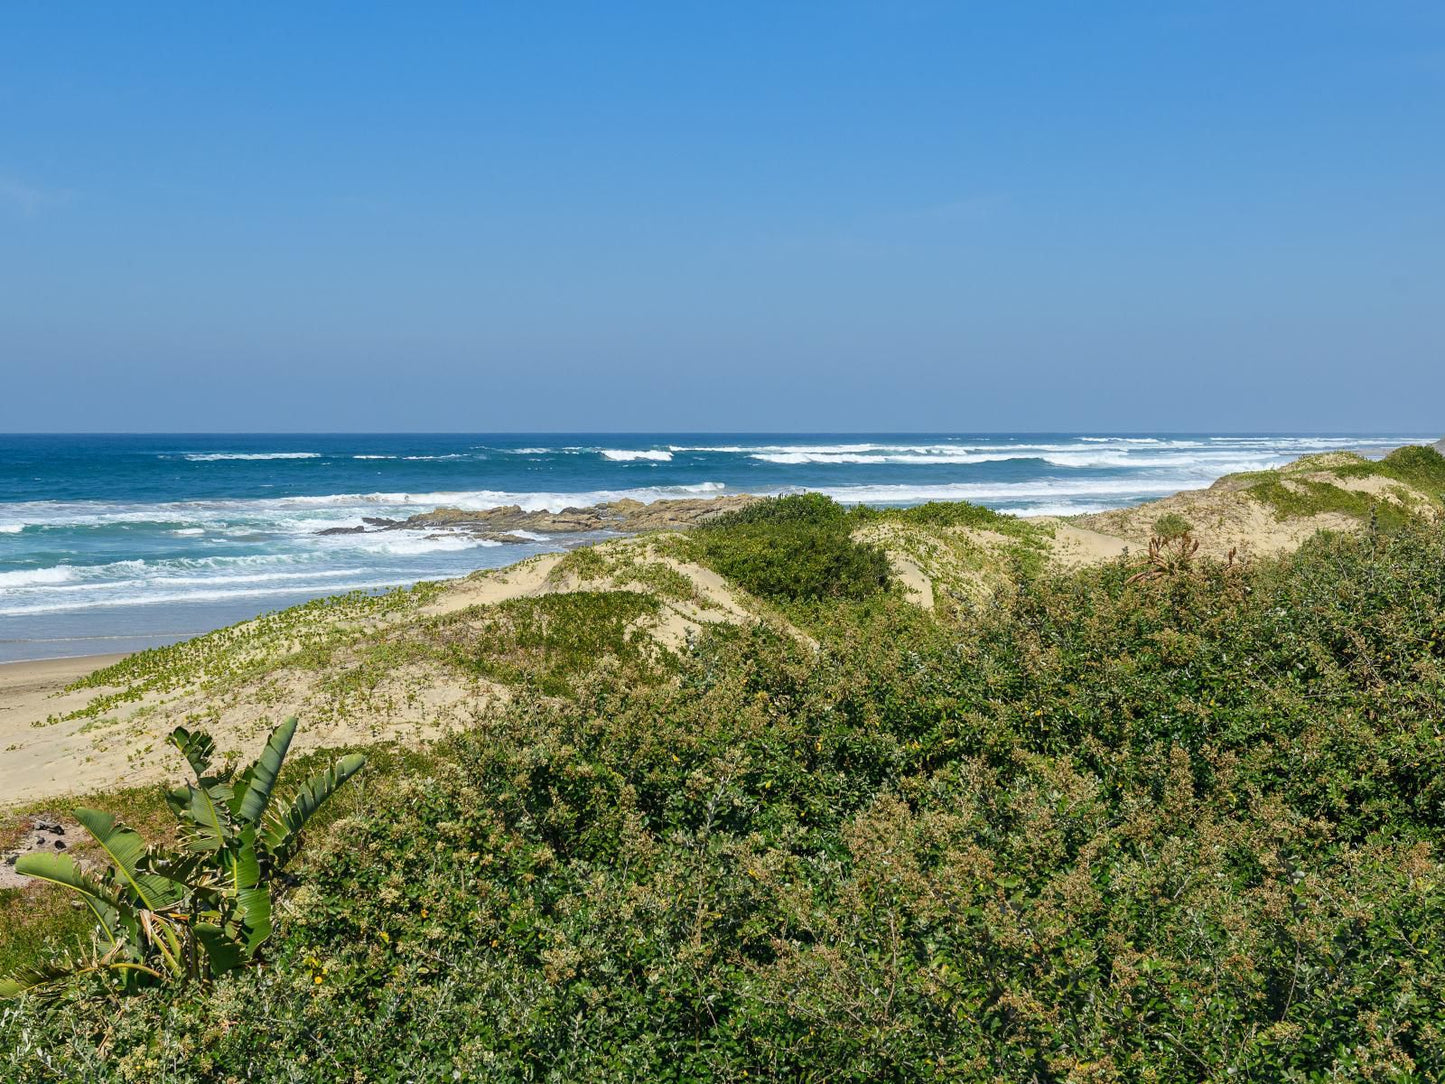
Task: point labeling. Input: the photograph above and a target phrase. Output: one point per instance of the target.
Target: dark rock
(623, 516)
(60, 844)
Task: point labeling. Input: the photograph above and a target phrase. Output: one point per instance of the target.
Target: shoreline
(198, 535)
(58, 742)
(567, 527)
(20, 672)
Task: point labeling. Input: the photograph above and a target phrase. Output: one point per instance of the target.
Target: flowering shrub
(1110, 829)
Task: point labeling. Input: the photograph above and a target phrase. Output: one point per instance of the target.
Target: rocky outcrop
(624, 516)
(1440, 445)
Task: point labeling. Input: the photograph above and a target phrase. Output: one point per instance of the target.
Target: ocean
(114, 543)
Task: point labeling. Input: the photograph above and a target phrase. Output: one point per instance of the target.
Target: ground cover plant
(550, 640)
(1421, 469)
(1106, 827)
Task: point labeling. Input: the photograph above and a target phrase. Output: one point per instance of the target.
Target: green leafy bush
(1109, 829)
(796, 509)
(792, 563)
(1171, 525)
(943, 514)
(793, 548)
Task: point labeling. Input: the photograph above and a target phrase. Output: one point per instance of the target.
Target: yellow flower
(318, 980)
(423, 912)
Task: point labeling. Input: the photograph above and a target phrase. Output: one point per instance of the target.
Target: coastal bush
(1171, 525)
(1106, 828)
(795, 509)
(793, 548)
(789, 563)
(1421, 468)
(1416, 465)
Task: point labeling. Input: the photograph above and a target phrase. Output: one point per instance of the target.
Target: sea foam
(618, 455)
(218, 457)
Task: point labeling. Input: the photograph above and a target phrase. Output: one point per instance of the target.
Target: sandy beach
(36, 759)
(54, 742)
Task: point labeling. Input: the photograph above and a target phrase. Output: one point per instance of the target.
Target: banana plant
(198, 911)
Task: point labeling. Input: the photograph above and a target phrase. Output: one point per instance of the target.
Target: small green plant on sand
(201, 910)
(1172, 525)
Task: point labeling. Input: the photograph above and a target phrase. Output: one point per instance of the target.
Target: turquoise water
(110, 543)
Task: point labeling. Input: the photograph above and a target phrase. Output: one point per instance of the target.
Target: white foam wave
(1205, 462)
(147, 599)
(1002, 492)
(618, 455)
(304, 514)
(216, 457)
(373, 457)
(407, 544)
(11, 528)
(36, 577)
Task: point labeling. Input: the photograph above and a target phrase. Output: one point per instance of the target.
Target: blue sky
(681, 216)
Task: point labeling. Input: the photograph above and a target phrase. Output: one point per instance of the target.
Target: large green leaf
(204, 813)
(283, 833)
(197, 748)
(126, 850)
(204, 809)
(262, 774)
(253, 899)
(223, 952)
(114, 916)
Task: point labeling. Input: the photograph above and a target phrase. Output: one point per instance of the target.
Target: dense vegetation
(1109, 826)
(794, 548)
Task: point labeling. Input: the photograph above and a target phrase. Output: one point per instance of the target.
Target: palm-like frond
(127, 851)
(115, 915)
(283, 833)
(197, 912)
(262, 775)
(198, 748)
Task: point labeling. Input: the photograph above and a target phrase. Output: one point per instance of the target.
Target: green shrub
(797, 509)
(1177, 829)
(1421, 467)
(944, 514)
(1171, 525)
(794, 563)
(793, 548)
(198, 911)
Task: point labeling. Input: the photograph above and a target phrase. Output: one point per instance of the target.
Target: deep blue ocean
(112, 543)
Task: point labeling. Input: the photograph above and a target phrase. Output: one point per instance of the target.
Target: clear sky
(886, 215)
